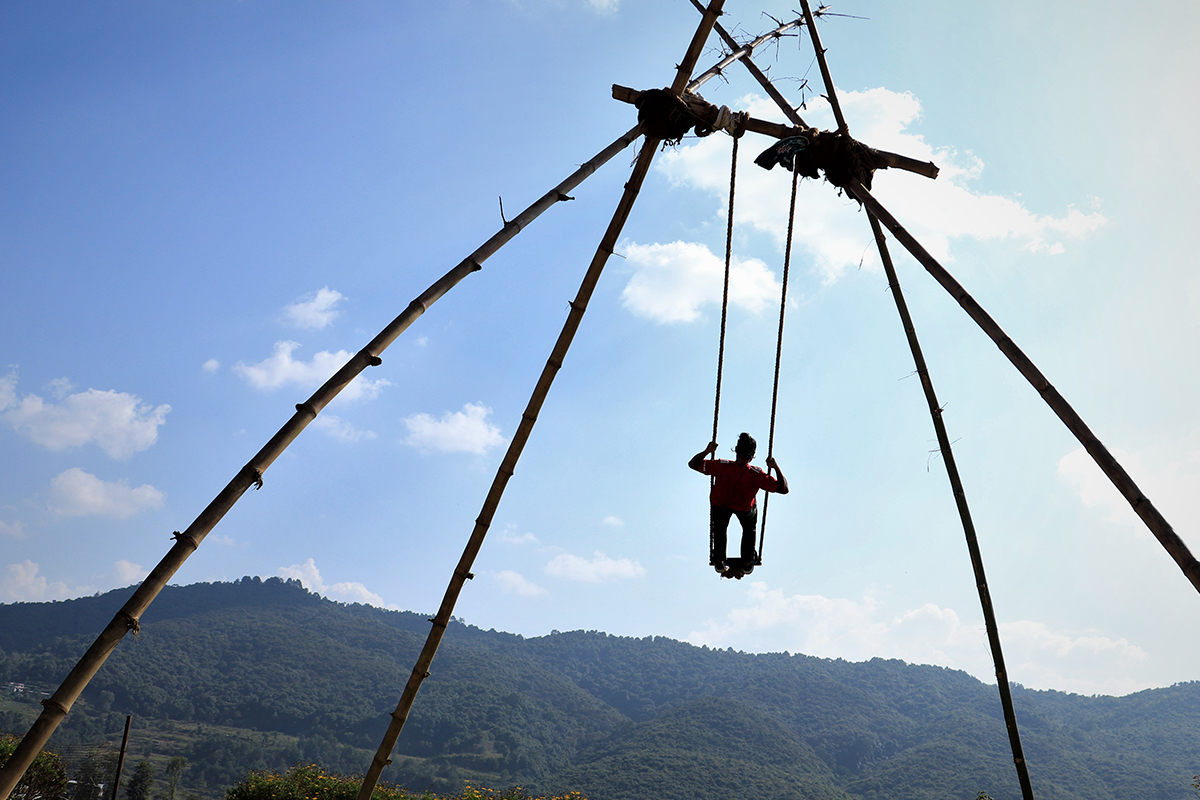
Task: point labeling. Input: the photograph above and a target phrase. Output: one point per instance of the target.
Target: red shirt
(736, 483)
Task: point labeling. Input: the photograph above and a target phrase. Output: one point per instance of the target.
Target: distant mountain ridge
(260, 674)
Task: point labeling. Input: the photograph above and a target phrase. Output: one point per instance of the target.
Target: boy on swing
(735, 486)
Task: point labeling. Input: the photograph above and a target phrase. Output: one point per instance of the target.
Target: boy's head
(745, 447)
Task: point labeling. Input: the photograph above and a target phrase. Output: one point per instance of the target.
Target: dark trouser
(719, 520)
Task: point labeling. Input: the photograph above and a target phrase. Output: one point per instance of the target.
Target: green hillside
(262, 674)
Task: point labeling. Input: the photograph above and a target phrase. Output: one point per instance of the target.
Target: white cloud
(1036, 655)
(515, 583)
(314, 311)
(211, 366)
(466, 431)
(337, 428)
(832, 230)
(605, 6)
(345, 592)
(615, 521)
(510, 535)
(23, 584)
(1174, 489)
(75, 493)
(117, 422)
(600, 569)
(125, 573)
(671, 282)
(15, 529)
(280, 369)
(1040, 657)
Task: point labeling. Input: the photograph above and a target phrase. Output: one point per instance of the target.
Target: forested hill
(257, 674)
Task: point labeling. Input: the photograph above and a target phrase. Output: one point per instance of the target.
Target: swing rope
(787, 260)
(724, 317)
(725, 290)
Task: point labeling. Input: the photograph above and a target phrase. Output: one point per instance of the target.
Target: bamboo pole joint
(187, 539)
(51, 703)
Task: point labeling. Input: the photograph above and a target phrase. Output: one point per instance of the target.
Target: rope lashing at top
(665, 115)
(837, 155)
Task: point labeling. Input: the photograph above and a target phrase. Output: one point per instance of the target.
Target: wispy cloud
(314, 311)
(614, 521)
(1174, 488)
(118, 423)
(466, 431)
(833, 232)
(14, 529)
(337, 428)
(280, 370)
(1038, 656)
(211, 366)
(60, 388)
(598, 569)
(75, 493)
(672, 282)
(511, 536)
(515, 583)
(125, 573)
(346, 592)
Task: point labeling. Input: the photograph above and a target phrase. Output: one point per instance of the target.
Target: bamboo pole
(462, 572)
(935, 412)
(964, 514)
(121, 756)
(1150, 515)
(825, 76)
(127, 619)
(684, 72)
(740, 52)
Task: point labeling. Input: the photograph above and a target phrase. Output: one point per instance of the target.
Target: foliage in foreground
(310, 782)
(45, 778)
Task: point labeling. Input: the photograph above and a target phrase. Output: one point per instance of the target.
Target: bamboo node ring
(307, 408)
(374, 361)
(258, 479)
(131, 622)
(50, 702)
(184, 537)
(563, 197)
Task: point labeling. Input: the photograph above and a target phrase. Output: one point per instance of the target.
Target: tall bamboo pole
(964, 513)
(935, 411)
(57, 706)
(1150, 515)
(462, 572)
(825, 76)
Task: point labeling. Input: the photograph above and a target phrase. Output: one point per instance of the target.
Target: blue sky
(205, 208)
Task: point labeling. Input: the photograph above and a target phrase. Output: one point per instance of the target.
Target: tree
(141, 785)
(88, 779)
(175, 768)
(46, 777)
